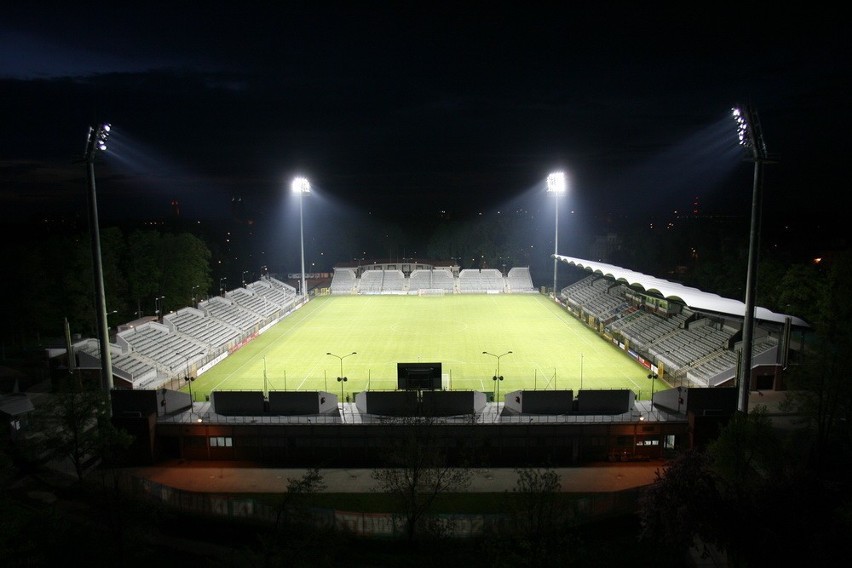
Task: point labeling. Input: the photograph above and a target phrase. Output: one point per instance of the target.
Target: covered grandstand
(693, 337)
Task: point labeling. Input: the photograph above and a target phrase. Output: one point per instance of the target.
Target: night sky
(402, 112)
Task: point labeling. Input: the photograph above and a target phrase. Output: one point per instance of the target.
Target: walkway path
(226, 477)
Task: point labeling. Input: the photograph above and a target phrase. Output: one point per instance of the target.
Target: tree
(186, 263)
(74, 424)
(747, 496)
(539, 527)
(292, 507)
(418, 472)
(820, 389)
(143, 267)
(681, 504)
(294, 539)
(536, 510)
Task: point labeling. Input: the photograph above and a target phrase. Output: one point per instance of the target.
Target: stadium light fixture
(301, 186)
(750, 137)
(556, 184)
(96, 142)
(497, 377)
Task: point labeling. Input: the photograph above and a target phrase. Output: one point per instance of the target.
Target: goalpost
(431, 292)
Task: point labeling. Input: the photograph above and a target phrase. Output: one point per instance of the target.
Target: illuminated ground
(550, 349)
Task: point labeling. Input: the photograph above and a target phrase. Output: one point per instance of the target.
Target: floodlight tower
(556, 185)
(96, 142)
(301, 186)
(751, 138)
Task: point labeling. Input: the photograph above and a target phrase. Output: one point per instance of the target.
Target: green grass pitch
(550, 349)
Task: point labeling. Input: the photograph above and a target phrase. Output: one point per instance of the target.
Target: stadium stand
(275, 283)
(371, 282)
(275, 292)
(697, 348)
(485, 280)
(149, 354)
(434, 279)
(343, 281)
(519, 280)
(136, 371)
(226, 310)
(394, 281)
(154, 341)
(255, 303)
(194, 323)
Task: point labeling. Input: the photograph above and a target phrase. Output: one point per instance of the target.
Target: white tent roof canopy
(691, 297)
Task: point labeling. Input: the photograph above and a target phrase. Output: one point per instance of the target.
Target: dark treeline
(167, 266)
(144, 270)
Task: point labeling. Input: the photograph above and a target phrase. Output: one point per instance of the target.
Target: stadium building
(687, 338)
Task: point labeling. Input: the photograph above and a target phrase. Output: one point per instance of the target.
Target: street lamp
(96, 142)
(556, 184)
(193, 293)
(498, 377)
(342, 357)
(751, 138)
(653, 377)
(222, 285)
(301, 186)
(188, 379)
(244, 277)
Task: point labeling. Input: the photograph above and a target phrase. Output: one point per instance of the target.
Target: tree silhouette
(418, 472)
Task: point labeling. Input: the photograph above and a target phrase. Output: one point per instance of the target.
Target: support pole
(97, 267)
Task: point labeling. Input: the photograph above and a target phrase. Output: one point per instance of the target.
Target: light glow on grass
(550, 349)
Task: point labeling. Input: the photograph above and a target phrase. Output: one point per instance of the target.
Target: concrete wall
(238, 403)
(301, 403)
(451, 403)
(387, 403)
(605, 401)
(540, 402)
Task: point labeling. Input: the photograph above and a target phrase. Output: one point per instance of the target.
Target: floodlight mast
(96, 142)
(751, 138)
(301, 186)
(556, 185)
